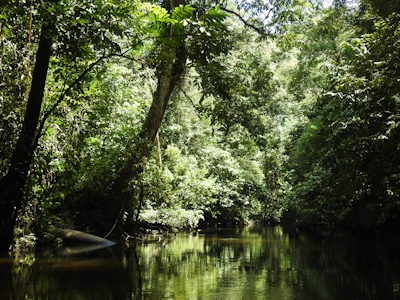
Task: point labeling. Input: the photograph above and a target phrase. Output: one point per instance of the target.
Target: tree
(75, 37)
(350, 136)
(241, 88)
(69, 33)
(12, 184)
(171, 56)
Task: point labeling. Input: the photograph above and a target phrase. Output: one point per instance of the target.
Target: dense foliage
(345, 161)
(188, 113)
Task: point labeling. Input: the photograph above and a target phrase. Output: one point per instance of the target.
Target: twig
(127, 236)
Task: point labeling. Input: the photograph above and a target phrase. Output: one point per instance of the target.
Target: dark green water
(247, 263)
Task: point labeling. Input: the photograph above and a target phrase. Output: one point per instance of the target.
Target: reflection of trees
(251, 263)
(6, 287)
(254, 262)
(348, 269)
(207, 265)
(94, 275)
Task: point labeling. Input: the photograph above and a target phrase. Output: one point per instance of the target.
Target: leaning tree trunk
(124, 185)
(13, 183)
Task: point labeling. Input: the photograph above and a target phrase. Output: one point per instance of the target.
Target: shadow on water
(73, 273)
(245, 263)
(6, 282)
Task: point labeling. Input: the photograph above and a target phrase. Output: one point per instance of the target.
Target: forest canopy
(116, 115)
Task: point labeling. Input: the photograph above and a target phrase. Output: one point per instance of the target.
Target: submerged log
(78, 237)
(81, 248)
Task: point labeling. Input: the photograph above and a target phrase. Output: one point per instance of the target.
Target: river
(247, 263)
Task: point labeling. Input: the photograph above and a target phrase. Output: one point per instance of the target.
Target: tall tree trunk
(124, 185)
(12, 185)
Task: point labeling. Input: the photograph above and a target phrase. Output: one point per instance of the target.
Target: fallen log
(78, 237)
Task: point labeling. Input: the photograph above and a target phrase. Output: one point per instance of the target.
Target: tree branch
(77, 80)
(187, 96)
(63, 94)
(257, 29)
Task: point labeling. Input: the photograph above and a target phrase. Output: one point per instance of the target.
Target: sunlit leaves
(181, 13)
(158, 14)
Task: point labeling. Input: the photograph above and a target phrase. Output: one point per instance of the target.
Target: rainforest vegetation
(119, 114)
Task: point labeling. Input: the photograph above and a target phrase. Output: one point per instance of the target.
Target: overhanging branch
(187, 96)
(64, 93)
(245, 22)
(75, 82)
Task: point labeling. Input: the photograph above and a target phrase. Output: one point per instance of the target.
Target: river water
(241, 263)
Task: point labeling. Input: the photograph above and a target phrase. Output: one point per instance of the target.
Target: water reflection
(247, 263)
(81, 248)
